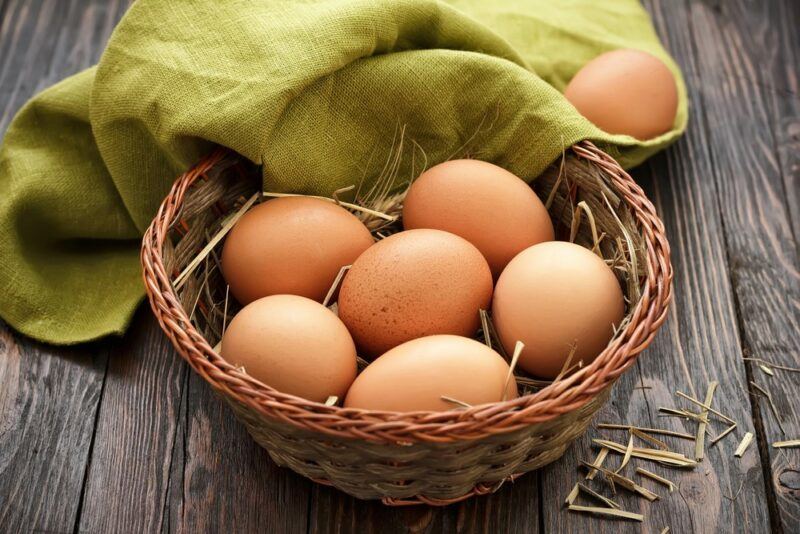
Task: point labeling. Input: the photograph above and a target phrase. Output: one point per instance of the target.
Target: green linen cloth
(313, 90)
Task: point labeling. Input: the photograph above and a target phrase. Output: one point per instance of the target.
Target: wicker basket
(423, 457)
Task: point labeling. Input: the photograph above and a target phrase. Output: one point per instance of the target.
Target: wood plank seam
(87, 466)
(182, 412)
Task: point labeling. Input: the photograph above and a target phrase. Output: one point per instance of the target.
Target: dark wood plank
(744, 107)
(143, 437)
(785, 104)
(28, 35)
(784, 99)
(44, 41)
(333, 512)
(172, 515)
(229, 483)
(48, 401)
(3, 6)
(128, 475)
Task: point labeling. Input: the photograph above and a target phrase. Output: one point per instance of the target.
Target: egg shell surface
(626, 92)
(553, 296)
(415, 375)
(291, 245)
(485, 204)
(413, 284)
(294, 344)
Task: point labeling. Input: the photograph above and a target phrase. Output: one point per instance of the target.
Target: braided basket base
(435, 473)
(421, 457)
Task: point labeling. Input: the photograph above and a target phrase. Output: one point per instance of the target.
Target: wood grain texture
(783, 98)
(42, 42)
(28, 35)
(48, 401)
(228, 482)
(761, 246)
(785, 107)
(128, 475)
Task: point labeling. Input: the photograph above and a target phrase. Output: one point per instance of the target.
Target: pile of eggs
(475, 237)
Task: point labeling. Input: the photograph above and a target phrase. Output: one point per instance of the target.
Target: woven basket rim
(454, 425)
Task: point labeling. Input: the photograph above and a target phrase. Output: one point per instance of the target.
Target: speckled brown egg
(291, 245)
(413, 284)
(485, 204)
(627, 92)
(294, 344)
(553, 296)
(415, 375)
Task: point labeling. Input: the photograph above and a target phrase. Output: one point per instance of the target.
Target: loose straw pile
(702, 413)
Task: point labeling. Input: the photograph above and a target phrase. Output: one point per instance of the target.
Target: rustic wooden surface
(119, 436)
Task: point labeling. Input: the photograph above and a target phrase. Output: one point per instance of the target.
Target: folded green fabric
(316, 91)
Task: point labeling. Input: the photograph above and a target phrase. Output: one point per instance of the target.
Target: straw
(699, 444)
(663, 457)
(518, 348)
(657, 478)
(189, 269)
(610, 512)
(348, 205)
(589, 491)
(598, 462)
(647, 430)
(725, 433)
(748, 437)
(573, 494)
(771, 405)
(786, 444)
(623, 481)
(704, 406)
(335, 285)
(773, 366)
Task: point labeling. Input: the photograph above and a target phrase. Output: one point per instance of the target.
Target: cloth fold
(315, 91)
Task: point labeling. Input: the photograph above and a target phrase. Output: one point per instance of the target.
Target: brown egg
(413, 284)
(626, 92)
(415, 375)
(483, 203)
(554, 295)
(294, 344)
(291, 245)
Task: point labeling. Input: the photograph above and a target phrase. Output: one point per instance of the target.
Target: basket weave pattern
(421, 457)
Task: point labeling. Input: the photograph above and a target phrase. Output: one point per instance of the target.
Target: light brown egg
(627, 92)
(291, 245)
(412, 284)
(554, 295)
(483, 203)
(294, 344)
(415, 375)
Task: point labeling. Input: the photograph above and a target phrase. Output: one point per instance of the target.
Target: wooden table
(119, 436)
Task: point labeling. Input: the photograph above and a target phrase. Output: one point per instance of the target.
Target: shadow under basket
(422, 457)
